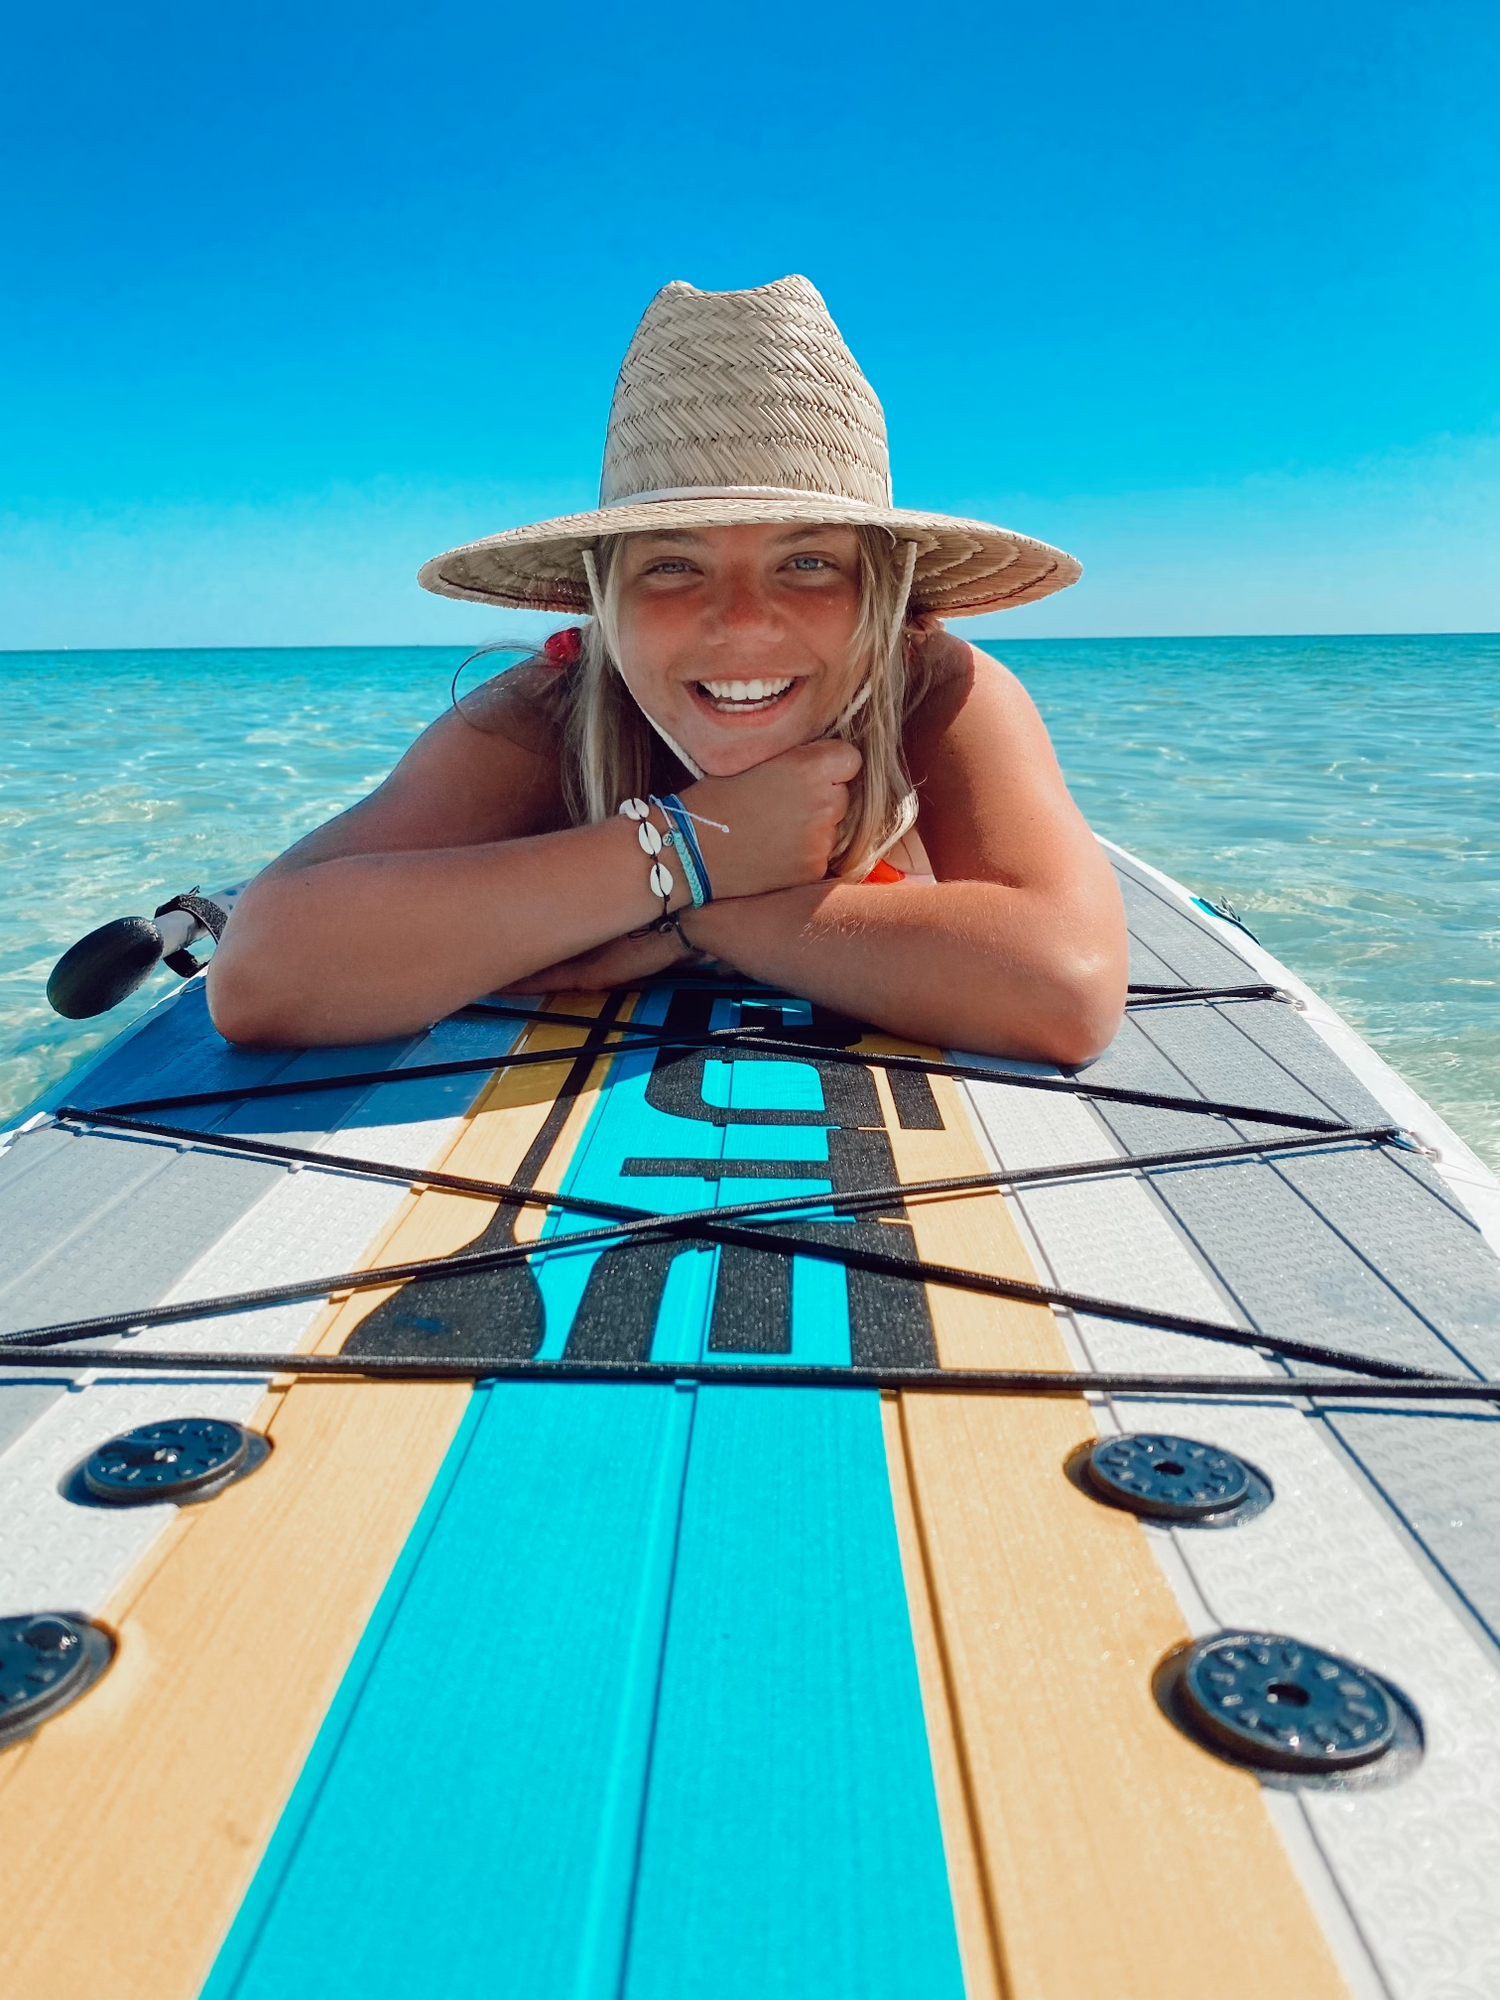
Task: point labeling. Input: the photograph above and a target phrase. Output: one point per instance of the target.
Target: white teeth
(746, 691)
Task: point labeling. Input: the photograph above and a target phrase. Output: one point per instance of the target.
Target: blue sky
(295, 296)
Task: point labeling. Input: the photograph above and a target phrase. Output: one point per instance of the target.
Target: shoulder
(955, 684)
(528, 705)
(994, 803)
(489, 768)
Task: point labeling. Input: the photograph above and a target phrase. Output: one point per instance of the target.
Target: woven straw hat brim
(963, 567)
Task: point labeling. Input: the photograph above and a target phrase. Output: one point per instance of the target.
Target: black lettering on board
(889, 1322)
(498, 1315)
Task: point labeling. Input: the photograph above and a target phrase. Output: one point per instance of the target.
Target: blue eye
(809, 562)
(670, 567)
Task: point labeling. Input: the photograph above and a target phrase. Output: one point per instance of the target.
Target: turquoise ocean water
(1343, 793)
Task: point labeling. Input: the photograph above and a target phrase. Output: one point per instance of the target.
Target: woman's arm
(455, 878)
(443, 884)
(1019, 949)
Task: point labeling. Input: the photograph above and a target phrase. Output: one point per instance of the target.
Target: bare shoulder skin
(460, 875)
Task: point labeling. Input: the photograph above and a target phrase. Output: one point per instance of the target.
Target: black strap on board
(208, 914)
(212, 918)
(716, 1225)
(774, 1375)
(721, 1225)
(728, 1041)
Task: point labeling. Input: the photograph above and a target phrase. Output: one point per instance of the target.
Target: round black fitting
(179, 1458)
(1172, 1478)
(47, 1660)
(1278, 1704)
(103, 968)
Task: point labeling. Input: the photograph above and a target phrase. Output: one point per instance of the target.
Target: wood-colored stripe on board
(1095, 1854)
(133, 1822)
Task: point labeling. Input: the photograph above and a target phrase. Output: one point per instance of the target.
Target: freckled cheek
(654, 634)
(827, 625)
(828, 639)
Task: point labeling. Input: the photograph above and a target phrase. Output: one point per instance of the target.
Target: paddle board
(689, 1635)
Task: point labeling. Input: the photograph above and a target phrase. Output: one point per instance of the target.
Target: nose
(740, 606)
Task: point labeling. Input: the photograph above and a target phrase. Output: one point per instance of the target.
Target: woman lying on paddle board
(762, 747)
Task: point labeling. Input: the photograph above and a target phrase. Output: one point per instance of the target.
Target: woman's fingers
(783, 818)
(840, 759)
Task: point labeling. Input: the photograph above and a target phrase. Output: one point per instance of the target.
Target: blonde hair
(608, 741)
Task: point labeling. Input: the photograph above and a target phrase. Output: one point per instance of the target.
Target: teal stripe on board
(641, 1717)
(224, 1979)
(445, 1836)
(791, 1843)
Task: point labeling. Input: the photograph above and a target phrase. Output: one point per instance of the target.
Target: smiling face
(739, 641)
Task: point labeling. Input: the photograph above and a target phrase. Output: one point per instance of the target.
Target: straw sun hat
(737, 407)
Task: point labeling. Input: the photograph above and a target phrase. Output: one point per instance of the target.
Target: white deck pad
(1405, 1875)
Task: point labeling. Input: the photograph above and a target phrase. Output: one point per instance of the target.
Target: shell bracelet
(680, 838)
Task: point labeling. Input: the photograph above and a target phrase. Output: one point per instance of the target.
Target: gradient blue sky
(297, 295)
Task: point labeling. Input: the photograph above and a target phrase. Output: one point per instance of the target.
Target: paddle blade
(101, 969)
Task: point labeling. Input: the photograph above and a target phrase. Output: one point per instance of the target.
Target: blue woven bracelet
(686, 843)
(697, 888)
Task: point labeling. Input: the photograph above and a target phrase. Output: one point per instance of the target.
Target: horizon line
(988, 638)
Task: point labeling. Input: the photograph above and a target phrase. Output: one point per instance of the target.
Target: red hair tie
(565, 648)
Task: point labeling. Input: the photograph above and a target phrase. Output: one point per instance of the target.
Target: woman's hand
(783, 818)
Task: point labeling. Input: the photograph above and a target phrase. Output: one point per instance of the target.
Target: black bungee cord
(769, 1375)
(843, 1201)
(719, 1225)
(752, 1040)
(715, 1225)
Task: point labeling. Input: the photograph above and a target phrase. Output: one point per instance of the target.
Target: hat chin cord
(835, 728)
